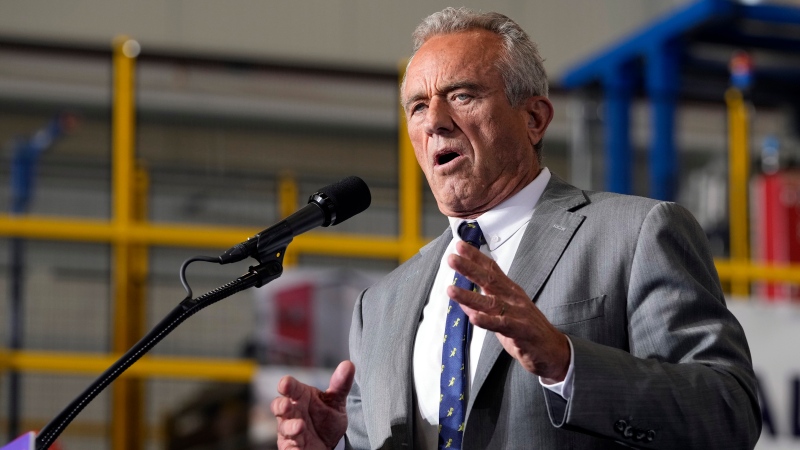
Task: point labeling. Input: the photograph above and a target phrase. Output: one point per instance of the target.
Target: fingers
(309, 418)
(294, 394)
(293, 389)
(505, 308)
(290, 434)
(291, 428)
(497, 289)
(340, 384)
(280, 406)
(291, 423)
(484, 272)
(294, 401)
(474, 301)
(291, 414)
(477, 267)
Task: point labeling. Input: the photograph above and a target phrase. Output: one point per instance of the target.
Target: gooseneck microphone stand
(330, 205)
(269, 268)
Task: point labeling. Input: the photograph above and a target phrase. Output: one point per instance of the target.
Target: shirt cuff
(563, 388)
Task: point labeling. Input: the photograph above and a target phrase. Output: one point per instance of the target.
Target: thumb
(341, 382)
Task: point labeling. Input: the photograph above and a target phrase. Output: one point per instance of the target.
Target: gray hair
(520, 64)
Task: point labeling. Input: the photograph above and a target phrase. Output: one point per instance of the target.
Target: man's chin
(463, 206)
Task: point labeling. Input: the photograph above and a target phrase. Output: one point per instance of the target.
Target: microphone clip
(270, 267)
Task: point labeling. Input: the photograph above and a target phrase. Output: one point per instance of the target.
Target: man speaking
(545, 317)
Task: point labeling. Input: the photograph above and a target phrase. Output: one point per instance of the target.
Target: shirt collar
(504, 220)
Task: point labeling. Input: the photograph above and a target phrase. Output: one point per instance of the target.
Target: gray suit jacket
(659, 360)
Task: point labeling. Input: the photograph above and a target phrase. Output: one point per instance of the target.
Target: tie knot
(471, 232)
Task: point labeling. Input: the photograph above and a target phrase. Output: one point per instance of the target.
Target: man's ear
(540, 113)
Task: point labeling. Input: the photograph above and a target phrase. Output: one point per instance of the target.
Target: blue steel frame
(655, 55)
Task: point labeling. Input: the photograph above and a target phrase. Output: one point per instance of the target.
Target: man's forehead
(472, 45)
(453, 60)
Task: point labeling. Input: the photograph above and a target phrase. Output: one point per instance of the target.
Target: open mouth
(446, 157)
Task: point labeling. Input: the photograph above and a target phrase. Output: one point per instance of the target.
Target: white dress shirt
(503, 227)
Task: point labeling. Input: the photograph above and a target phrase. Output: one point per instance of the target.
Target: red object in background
(295, 322)
(741, 63)
(776, 229)
(741, 68)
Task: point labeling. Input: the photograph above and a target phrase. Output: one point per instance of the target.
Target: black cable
(186, 264)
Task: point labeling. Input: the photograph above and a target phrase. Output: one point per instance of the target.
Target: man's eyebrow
(468, 85)
(454, 86)
(413, 99)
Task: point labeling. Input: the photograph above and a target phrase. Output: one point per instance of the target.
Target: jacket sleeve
(687, 380)
(356, 436)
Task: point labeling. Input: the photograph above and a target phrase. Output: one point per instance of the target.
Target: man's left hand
(505, 308)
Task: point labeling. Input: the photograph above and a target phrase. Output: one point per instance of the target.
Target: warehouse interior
(160, 130)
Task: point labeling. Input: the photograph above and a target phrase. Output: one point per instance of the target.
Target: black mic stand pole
(270, 268)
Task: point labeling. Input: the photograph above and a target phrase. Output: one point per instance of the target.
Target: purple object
(24, 442)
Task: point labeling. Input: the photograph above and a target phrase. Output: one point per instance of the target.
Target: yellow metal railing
(748, 271)
(410, 180)
(227, 370)
(129, 274)
(130, 234)
(176, 235)
(738, 182)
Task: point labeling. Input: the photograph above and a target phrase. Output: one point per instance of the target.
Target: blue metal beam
(738, 38)
(619, 85)
(636, 45)
(662, 79)
(772, 13)
(658, 49)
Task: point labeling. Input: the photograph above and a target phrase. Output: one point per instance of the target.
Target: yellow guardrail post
(130, 234)
(287, 204)
(130, 260)
(739, 177)
(68, 363)
(410, 187)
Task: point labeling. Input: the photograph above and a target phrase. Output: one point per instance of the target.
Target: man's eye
(462, 97)
(417, 108)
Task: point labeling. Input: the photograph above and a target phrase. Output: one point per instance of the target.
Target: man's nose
(438, 119)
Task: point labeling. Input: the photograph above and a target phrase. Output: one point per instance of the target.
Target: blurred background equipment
(303, 318)
(214, 121)
(25, 153)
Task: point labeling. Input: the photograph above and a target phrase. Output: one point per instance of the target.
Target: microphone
(330, 205)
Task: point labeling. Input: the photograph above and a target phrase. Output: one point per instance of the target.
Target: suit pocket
(576, 312)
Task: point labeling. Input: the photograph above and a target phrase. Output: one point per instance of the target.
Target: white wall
(360, 33)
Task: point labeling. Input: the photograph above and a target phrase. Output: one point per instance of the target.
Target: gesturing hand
(309, 418)
(504, 307)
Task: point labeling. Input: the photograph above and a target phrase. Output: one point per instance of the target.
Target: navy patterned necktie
(454, 379)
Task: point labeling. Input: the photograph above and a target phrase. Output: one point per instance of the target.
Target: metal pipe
(739, 176)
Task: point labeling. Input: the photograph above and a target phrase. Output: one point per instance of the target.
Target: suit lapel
(546, 237)
(408, 305)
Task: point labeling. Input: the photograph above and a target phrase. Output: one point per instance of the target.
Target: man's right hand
(309, 418)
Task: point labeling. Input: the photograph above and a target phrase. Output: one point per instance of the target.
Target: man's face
(474, 148)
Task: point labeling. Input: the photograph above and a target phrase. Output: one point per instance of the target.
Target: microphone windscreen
(350, 196)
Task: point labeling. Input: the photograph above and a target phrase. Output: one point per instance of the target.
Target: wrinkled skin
(476, 150)
(309, 418)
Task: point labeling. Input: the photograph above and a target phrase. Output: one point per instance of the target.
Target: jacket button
(651, 434)
(628, 432)
(620, 425)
